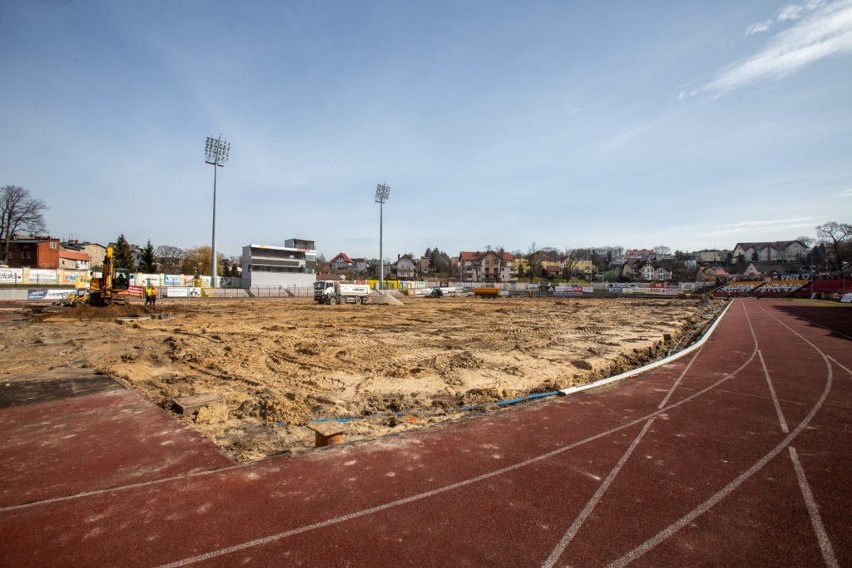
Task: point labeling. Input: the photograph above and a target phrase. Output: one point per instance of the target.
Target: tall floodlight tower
(382, 193)
(216, 153)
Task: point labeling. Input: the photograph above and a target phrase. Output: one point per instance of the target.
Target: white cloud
(759, 27)
(796, 11)
(844, 192)
(825, 31)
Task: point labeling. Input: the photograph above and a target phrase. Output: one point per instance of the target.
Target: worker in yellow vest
(151, 295)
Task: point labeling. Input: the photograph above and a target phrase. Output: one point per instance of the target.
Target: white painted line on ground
(816, 520)
(593, 502)
(775, 401)
(665, 361)
(669, 531)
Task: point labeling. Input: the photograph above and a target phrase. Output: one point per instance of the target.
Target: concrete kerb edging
(626, 375)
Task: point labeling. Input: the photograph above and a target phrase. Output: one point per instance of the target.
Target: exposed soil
(279, 364)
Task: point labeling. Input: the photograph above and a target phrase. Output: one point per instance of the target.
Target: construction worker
(151, 295)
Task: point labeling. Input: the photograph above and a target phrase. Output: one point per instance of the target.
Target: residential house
(631, 269)
(711, 256)
(74, 260)
(712, 274)
(489, 266)
(660, 271)
(405, 267)
(341, 262)
(360, 265)
(96, 252)
(778, 251)
(771, 270)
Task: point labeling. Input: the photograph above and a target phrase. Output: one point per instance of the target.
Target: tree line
(22, 213)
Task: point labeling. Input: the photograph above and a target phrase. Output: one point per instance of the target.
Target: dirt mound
(89, 312)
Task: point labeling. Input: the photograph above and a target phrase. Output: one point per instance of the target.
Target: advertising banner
(141, 279)
(136, 291)
(11, 275)
(183, 292)
(172, 280)
(47, 294)
(42, 276)
(72, 278)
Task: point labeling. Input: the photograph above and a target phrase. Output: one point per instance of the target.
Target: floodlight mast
(216, 153)
(382, 194)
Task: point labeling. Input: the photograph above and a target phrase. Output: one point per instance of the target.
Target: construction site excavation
(256, 376)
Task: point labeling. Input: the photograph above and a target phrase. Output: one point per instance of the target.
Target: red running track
(737, 455)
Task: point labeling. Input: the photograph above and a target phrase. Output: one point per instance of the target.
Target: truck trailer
(332, 292)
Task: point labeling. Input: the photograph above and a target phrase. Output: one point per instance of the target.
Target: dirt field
(279, 364)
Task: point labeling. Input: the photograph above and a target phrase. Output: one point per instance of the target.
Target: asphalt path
(737, 454)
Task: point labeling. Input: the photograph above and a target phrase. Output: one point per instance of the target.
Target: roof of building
(74, 255)
(470, 256)
(767, 244)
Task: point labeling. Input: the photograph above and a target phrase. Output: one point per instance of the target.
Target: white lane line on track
(833, 360)
(593, 502)
(813, 511)
(140, 485)
(784, 428)
(669, 531)
(357, 514)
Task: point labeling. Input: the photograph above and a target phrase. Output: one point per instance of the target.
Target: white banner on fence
(42, 276)
(183, 292)
(11, 275)
(141, 279)
(47, 294)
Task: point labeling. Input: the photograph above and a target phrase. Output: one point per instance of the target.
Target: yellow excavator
(102, 291)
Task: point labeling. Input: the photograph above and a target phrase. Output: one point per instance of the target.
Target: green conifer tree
(123, 254)
(147, 262)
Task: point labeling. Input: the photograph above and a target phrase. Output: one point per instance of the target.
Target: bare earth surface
(280, 364)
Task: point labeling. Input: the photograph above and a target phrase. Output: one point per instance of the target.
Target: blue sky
(560, 124)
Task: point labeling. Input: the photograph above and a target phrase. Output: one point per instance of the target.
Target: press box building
(290, 266)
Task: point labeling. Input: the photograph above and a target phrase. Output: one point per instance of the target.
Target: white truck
(331, 292)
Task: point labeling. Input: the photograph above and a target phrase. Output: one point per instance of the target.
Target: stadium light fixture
(382, 194)
(216, 153)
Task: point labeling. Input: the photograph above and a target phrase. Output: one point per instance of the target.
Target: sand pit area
(278, 365)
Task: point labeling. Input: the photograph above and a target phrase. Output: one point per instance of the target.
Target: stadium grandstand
(779, 288)
(737, 288)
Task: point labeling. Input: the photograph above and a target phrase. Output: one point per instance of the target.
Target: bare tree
(19, 212)
(170, 258)
(838, 240)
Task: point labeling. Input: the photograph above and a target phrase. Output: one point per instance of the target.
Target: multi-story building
(34, 252)
(489, 266)
(784, 251)
(711, 256)
(293, 265)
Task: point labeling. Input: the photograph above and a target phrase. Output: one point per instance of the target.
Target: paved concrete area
(735, 455)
